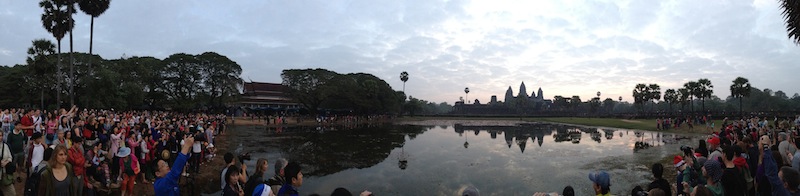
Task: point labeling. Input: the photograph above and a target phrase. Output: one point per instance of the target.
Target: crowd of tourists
(90, 152)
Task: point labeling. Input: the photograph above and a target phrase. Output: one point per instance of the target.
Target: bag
(32, 183)
(8, 172)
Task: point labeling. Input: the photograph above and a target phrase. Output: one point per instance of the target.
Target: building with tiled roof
(262, 96)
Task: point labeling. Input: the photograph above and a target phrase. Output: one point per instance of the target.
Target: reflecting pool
(515, 159)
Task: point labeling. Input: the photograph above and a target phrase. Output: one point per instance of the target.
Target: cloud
(567, 48)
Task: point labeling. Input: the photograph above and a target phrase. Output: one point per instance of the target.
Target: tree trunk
(71, 63)
(58, 77)
(91, 35)
(741, 110)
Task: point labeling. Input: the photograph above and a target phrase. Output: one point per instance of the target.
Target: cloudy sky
(565, 47)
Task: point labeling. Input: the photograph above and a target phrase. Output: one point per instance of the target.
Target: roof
(264, 87)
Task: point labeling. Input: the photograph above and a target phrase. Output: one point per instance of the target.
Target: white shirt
(197, 147)
(37, 123)
(222, 178)
(38, 155)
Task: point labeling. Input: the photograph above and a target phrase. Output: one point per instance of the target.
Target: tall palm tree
(38, 63)
(739, 89)
(791, 13)
(404, 78)
(640, 95)
(466, 91)
(55, 20)
(670, 96)
(653, 94)
(93, 8)
(692, 87)
(684, 95)
(705, 90)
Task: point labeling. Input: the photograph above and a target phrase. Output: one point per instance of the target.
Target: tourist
(714, 147)
(50, 131)
(16, 143)
(36, 152)
(5, 159)
(128, 169)
(58, 178)
(294, 179)
(785, 147)
(783, 182)
(257, 178)
(659, 182)
(712, 171)
(78, 161)
(601, 183)
(167, 182)
(197, 152)
(232, 180)
(228, 157)
(278, 180)
(732, 179)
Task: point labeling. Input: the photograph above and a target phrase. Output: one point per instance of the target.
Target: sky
(574, 47)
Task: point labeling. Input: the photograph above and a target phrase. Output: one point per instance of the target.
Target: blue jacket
(287, 190)
(168, 185)
(771, 171)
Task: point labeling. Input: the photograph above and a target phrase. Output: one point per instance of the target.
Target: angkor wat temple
(511, 105)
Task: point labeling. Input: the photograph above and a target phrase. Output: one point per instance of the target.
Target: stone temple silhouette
(522, 103)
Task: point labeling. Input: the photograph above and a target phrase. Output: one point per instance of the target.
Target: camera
(244, 157)
(687, 150)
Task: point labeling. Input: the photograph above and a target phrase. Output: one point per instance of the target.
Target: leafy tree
(608, 104)
(575, 102)
(739, 89)
(182, 83)
(93, 8)
(220, 76)
(308, 86)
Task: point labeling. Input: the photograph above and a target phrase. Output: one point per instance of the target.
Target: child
(210, 151)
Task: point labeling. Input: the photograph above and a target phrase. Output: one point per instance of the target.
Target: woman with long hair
(257, 177)
(52, 127)
(58, 179)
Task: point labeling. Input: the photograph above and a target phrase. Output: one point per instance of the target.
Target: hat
(470, 191)
(678, 161)
(124, 152)
(714, 140)
(713, 169)
(600, 178)
(165, 154)
(36, 135)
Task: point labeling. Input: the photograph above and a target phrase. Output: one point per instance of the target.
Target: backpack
(32, 183)
(748, 179)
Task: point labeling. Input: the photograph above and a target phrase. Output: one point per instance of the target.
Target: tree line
(180, 81)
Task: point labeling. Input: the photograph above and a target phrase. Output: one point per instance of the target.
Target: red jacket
(75, 157)
(27, 121)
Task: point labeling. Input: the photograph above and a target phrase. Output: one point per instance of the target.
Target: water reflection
(432, 160)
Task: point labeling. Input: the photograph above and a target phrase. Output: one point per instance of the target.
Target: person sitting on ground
(601, 183)
(278, 180)
(659, 182)
(294, 179)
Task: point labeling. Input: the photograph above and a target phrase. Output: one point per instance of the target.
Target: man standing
(16, 143)
(5, 158)
(295, 179)
(278, 180)
(36, 153)
(167, 182)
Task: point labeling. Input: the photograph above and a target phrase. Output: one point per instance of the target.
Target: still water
(443, 159)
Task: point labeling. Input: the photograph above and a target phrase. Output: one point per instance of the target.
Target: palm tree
(692, 89)
(640, 95)
(93, 8)
(791, 13)
(739, 89)
(55, 20)
(38, 63)
(670, 96)
(653, 94)
(684, 95)
(404, 78)
(71, 10)
(705, 89)
(466, 91)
